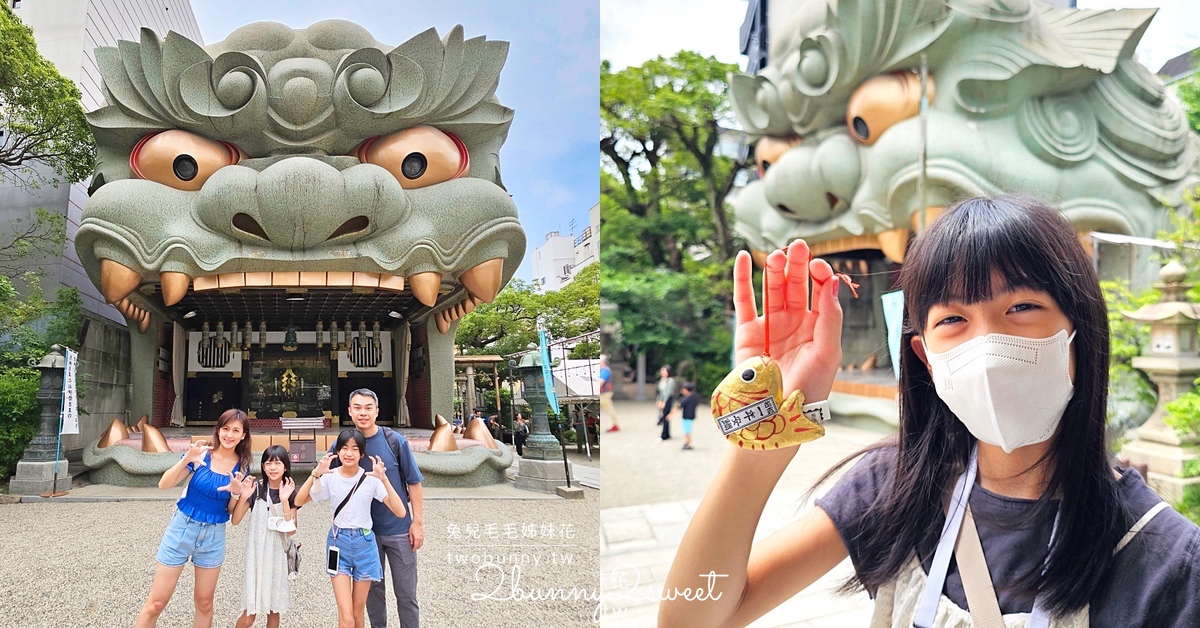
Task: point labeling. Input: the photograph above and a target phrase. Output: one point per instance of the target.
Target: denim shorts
(187, 538)
(359, 556)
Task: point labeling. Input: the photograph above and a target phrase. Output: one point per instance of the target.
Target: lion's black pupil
(748, 375)
(414, 165)
(185, 167)
(860, 128)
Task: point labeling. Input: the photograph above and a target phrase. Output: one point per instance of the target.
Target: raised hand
(806, 343)
(286, 489)
(239, 483)
(323, 465)
(195, 453)
(377, 468)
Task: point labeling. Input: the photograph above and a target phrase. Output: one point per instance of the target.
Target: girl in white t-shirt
(350, 534)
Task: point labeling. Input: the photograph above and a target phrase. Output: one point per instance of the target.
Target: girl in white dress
(272, 519)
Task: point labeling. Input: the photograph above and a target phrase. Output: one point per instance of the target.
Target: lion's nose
(303, 202)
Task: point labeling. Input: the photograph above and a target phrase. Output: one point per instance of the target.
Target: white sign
(748, 415)
(70, 412)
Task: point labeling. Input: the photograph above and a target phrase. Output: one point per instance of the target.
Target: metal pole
(924, 126)
(53, 492)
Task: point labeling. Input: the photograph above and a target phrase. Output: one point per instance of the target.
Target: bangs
(978, 239)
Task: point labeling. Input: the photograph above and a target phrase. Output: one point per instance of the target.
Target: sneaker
(688, 447)
(615, 428)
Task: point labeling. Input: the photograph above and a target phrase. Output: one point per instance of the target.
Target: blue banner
(551, 396)
(893, 317)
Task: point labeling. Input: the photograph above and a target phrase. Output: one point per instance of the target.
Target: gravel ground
(91, 564)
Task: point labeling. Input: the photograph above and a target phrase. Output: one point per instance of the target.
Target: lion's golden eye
(882, 101)
(180, 159)
(768, 150)
(417, 157)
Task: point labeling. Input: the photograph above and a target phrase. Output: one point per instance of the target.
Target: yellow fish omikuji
(755, 388)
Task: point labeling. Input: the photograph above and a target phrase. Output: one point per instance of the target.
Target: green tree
(668, 245)
(43, 120)
(509, 324)
(662, 124)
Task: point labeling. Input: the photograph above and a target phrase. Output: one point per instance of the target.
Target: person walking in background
(687, 408)
(520, 433)
(607, 409)
(665, 400)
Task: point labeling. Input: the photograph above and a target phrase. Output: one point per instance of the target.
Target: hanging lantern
(375, 335)
(233, 335)
(248, 337)
(346, 347)
(220, 331)
(262, 334)
(320, 334)
(289, 338)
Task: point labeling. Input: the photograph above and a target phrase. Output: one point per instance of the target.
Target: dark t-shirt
(688, 405)
(1155, 580)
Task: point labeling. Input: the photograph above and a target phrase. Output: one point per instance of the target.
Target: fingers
(743, 290)
(796, 282)
(773, 280)
(827, 332)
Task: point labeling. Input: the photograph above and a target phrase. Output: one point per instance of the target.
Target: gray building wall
(67, 33)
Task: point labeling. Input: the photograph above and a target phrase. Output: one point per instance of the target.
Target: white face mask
(1009, 391)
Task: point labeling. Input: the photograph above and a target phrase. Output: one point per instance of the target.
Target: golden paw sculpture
(750, 410)
(442, 438)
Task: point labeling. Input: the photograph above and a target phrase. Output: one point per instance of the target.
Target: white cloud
(634, 31)
(551, 195)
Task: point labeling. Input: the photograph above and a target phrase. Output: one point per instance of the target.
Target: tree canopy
(666, 170)
(509, 324)
(43, 121)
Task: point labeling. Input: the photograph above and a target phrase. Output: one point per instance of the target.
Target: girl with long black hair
(1001, 448)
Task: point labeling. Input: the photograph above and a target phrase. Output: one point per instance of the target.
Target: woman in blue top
(197, 528)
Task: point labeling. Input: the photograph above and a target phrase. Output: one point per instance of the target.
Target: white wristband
(817, 411)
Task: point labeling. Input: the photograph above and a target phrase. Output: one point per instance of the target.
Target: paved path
(652, 489)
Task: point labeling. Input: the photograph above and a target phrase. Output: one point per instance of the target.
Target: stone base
(542, 476)
(1171, 488)
(573, 492)
(35, 478)
(1159, 458)
(467, 467)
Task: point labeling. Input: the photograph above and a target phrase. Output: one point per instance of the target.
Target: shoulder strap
(976, 579)
(349, 495)
(1141, 523)
(394, 442)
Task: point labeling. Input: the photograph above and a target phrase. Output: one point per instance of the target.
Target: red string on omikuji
(766, 314)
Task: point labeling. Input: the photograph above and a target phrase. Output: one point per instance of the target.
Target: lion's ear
(1056, 51)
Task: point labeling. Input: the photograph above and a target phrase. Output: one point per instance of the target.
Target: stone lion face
(312, 159)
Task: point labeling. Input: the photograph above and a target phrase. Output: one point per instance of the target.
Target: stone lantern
(541, 468)
(1172, 363)
(36, 470)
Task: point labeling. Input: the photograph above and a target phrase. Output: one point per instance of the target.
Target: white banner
(70, 409)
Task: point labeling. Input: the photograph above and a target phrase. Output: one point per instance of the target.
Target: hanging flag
(551, 396)
(70, 408)
(893, 317)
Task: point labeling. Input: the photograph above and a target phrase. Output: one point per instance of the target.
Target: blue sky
(551, 80)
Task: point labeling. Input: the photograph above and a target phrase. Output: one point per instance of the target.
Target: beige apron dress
(898, 603)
